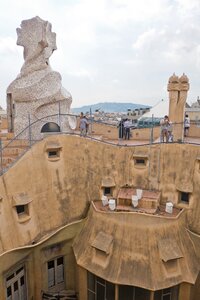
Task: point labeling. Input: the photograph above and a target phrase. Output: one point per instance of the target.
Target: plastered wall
(60, 190)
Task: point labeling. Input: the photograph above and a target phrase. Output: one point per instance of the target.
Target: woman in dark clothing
(121, 129)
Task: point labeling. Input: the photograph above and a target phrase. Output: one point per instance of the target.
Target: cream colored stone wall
(34, 258)
(59, 190)
(68, 184)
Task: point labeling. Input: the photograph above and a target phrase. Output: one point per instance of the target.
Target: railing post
(1, 157)
(59, 113)
(151, 133)
(29, 130)
(91, 120)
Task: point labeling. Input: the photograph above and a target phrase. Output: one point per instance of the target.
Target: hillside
(108, 107)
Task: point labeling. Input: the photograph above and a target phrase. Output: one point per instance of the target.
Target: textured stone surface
(178, 89)
(60, 192)
(37, 90)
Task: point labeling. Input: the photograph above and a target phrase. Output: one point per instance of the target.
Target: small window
(184, 197)
(53, 153)
(140, 161)
(107, 191)
(23, 212)
(21, 209)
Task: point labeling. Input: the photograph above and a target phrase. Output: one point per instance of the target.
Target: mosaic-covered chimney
(37, 92)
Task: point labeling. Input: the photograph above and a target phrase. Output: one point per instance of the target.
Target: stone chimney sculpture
(37, 91)
(177, 88)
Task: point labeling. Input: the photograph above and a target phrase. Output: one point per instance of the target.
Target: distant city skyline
(115, 51)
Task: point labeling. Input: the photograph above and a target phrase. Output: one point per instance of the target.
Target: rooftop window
(107, 191)
(53, 150)
(140, 160)
(184, 197)
(53, 153)
(22, 212)
(21, 209)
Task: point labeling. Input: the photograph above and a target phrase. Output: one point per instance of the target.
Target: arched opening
(50, 127)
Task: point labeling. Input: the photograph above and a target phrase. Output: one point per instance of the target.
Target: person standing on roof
(83, 125)
(186, 125)
(127, 129)
(121, 129)
(165, 124)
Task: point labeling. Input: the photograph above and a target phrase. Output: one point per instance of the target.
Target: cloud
(8, 45)
(81, 73)
(188, 5)
(145, 39)
(110, 49)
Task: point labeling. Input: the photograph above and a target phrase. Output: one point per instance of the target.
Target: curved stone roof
(137, 249)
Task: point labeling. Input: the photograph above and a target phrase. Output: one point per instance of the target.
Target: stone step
(6, 135)
(12, 148)
(13, 151)
(15, 143)
(8, 160)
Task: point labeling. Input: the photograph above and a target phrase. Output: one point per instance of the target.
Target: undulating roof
(137, 249)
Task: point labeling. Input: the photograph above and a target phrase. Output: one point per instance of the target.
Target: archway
(50, 127)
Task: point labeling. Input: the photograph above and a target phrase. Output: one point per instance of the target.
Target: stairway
(11, 150)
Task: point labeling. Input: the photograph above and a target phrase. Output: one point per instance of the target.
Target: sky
(110, 50)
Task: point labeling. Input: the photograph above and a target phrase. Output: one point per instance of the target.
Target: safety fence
(12, 150)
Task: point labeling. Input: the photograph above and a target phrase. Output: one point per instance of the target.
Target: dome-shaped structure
(184, 79)
(174, 79)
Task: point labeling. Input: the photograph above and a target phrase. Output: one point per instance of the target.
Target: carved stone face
(35, 36)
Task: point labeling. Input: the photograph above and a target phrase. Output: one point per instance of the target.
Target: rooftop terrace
(149, 203)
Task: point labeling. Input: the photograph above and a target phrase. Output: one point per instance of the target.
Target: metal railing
(98, 131)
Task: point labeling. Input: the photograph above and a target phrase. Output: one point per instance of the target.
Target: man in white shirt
(127, 129)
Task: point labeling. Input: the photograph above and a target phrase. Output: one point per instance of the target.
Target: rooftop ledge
(129, 209)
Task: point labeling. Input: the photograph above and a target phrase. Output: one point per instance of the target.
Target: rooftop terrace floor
(160, 211)
(190, 140)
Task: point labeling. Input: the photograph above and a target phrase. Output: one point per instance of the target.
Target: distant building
(193, 111)
(135, 114)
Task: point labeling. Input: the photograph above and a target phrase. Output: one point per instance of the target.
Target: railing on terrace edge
(17, 146)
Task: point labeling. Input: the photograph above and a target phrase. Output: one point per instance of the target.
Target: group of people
(166, 128)
(124, 129)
